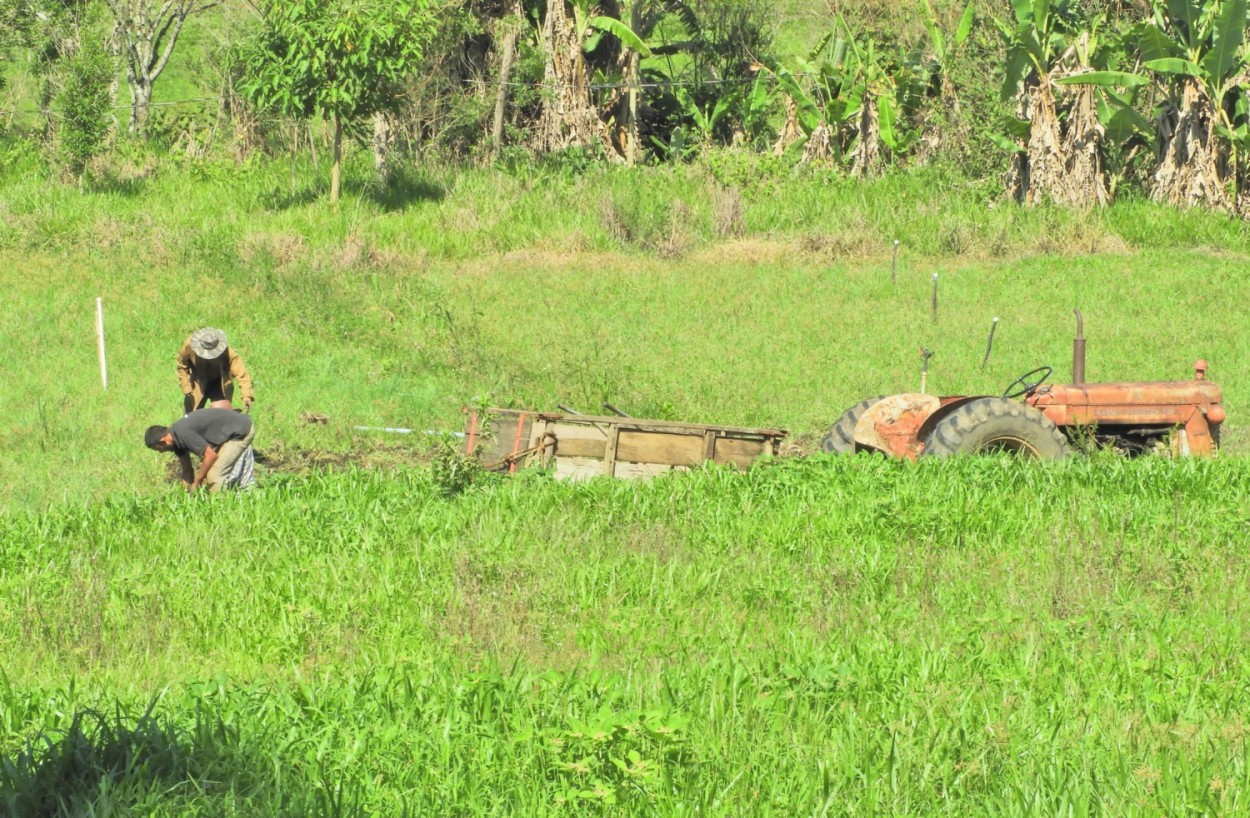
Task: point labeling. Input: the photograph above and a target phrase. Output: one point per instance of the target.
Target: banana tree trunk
(568, 117)
(866, 159)
(819, 147)
(511, 35)
(1190, 171)
(790, 131)
(1038, 171)
(382, 143)
(1085, 183)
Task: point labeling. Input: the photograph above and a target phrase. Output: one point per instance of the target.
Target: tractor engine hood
(1160, 403)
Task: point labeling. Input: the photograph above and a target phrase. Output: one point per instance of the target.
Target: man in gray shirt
(218, 436)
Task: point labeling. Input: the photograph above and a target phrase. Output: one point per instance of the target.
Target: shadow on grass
(402, 190)
(128, 187)
(101, 763)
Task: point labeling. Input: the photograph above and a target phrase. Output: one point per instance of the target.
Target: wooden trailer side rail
(583, 446)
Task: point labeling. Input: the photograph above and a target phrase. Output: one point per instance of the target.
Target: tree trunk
(141, 99)
(568, 118)
(1189, 170)
(501, 96)
(1039, 169)
(336, 168)
(819, 147)
(381, 146)
(634, 148)
(115, 51)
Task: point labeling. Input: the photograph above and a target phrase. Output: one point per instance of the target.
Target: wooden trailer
(578, 447)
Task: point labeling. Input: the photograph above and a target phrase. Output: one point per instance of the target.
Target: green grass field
(824, 637)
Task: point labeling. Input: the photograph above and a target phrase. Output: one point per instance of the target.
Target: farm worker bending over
(221, 437)
(207, 370)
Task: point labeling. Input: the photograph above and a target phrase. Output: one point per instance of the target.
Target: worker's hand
(191, 487)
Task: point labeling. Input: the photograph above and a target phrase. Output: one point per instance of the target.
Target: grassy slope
(460, 286)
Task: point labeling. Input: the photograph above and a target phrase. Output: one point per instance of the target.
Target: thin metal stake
(935, 299)
(99, 332)
(925, 355)
(894, 267)
(989, 344)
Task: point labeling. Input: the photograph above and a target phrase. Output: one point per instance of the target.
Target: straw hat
(208, 343)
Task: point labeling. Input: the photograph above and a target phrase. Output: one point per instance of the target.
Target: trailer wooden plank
(740, 452)
(580, 447)
(663, 448)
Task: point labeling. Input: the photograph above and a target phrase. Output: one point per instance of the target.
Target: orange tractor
(1050, 421)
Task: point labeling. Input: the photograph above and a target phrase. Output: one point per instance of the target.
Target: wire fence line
(166, 104)
(483, 83)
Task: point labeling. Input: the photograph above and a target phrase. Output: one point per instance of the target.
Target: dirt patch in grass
(280, 458)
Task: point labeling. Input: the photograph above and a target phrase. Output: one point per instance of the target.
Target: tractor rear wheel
(989, 425)
(841, 437)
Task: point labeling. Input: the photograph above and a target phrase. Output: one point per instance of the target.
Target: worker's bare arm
(206, 465)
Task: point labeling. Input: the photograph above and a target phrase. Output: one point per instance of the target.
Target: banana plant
(857, 104)
(1195, 58)
(943, 53)
(569, 32)
(1197, 50)
(1055, 139)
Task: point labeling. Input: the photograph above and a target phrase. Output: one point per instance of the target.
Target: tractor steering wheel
(1027, 387)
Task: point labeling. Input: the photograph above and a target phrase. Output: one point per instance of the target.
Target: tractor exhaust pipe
(1078, 351)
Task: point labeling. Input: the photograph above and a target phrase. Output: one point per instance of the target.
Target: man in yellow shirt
(207, 370)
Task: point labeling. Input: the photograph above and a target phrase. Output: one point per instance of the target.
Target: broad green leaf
(1041, 14)
(839, 53)
(1154, 44)
(1014, 126)
(1005, 143)
(1123, 122)
(1237, 134)
(1175, 66)
(621, 32)
(886, 120)
(1105, 79)
(965, 25)
(1185, 16)
(1018, 67)
(806, 110)
(1226, 41)
(1034, 49)
(935, 32)
(1023, 10)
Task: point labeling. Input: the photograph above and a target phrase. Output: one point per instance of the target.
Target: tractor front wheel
(991, 425)
(841, 437)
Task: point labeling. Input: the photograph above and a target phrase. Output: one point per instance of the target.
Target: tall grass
(850, 637)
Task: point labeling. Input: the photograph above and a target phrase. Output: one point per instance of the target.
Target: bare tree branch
(148, 37)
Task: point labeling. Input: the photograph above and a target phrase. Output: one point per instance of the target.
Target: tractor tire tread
(841, 436)
(980, 423)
